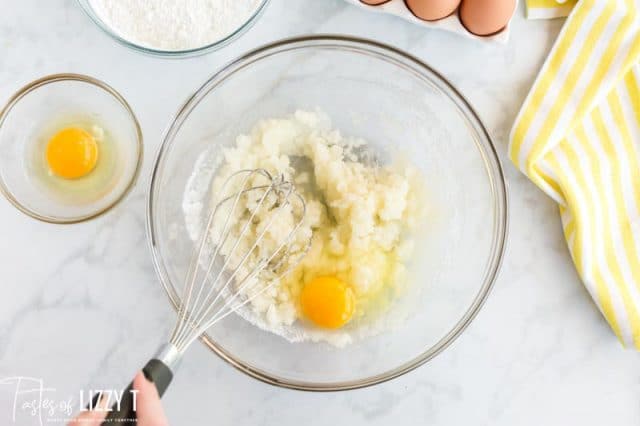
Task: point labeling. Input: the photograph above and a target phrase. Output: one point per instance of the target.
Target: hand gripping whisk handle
(159, 371)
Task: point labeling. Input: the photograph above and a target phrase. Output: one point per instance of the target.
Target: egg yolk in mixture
(327, 302)
(72, 153)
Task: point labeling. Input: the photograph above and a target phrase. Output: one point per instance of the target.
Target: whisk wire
(219, 316)
(197, 314)
(182, 323)
(200, 303)
(242, 285)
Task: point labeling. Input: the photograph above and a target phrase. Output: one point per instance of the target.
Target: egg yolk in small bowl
(72, 153)
(327, 302)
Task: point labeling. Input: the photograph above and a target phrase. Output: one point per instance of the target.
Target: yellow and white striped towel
(577, 137)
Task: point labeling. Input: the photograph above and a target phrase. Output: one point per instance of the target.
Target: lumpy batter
(359, 215)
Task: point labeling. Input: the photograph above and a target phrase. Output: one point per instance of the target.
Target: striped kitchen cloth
(577, 137)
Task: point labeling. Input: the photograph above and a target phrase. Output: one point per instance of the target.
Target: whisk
(229, 267)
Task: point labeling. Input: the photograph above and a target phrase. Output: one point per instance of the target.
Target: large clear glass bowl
(214, 45)
(397, 103)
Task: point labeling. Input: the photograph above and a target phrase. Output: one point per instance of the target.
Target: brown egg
(486, 17)
(432, 10)
(374, 2)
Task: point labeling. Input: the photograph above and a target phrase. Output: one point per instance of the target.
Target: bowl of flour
(174, 28)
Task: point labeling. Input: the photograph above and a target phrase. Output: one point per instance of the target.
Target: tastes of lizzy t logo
(30, 402)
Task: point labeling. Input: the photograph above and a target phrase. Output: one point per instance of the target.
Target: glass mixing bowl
(397, 103)
(214, 45)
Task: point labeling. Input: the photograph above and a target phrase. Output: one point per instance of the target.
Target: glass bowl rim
(55, 78)
(490, 158)
(175, 54)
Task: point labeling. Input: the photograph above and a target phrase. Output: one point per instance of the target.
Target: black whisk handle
(124, 413)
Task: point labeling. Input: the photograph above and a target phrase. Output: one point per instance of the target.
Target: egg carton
(451, 23)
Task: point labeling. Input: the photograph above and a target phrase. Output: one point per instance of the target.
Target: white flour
(174, 24)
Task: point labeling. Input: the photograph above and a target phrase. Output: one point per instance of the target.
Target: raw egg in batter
(327, 302)
(72, 153)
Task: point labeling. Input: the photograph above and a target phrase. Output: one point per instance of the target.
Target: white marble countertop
(538, 352)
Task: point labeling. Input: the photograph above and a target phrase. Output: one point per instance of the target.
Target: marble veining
(82, 307)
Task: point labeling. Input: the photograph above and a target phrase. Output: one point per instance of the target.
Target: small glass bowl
(47, 103)
(218, 44)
